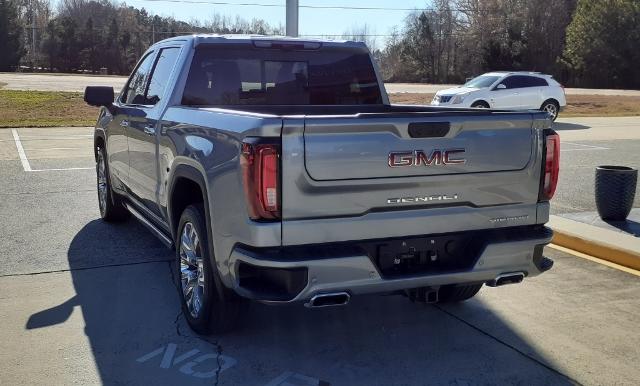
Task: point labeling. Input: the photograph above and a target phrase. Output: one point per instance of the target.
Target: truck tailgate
(370, 176)
(339, 149)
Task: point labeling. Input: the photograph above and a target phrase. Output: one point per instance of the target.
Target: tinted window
(511, 82)
(520, 81)
(134, 94)
(251, 76)
(164, 64)
(538, 82)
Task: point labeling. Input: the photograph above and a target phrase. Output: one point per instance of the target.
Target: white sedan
(506, 90)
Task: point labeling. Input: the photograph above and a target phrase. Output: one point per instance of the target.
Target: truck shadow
(569, 126)
(130, 308)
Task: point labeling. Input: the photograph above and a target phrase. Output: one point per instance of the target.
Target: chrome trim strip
(155, 230)
(494, 282)
(311, 302)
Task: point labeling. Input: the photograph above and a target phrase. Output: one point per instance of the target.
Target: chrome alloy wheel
(191, 269)
(102, 183)
(551, 109)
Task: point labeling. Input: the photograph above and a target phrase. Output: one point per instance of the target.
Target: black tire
(457, 293)
(220, 308)
(480, 105)
(552, 107)
(110, 204)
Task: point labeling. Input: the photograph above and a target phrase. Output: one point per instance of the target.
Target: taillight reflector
(261, 177)
(551, 165)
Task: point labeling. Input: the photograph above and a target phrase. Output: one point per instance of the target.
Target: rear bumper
(302, 272)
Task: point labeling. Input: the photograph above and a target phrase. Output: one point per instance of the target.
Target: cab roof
(197, 39)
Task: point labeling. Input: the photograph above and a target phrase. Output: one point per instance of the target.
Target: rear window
(260, 76)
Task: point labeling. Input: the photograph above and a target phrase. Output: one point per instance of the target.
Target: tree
(363, 33)
(89, 41)
(601, 46)
(51, 44)
(11, 48)
(68, 45)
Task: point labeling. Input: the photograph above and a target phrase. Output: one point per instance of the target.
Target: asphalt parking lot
(77, 83)
(85, 302)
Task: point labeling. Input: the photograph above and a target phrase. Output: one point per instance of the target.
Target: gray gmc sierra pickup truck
(280, 172)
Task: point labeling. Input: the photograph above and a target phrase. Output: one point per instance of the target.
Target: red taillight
(261, 176)
(551, 165)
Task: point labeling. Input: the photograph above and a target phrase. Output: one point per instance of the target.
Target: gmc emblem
(419, 157)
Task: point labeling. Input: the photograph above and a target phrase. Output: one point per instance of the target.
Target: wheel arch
(187, 186)
(480, 101)
(554, 100)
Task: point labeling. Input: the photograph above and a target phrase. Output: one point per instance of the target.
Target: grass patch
(577, 105)
(53, 108)
(44, 108)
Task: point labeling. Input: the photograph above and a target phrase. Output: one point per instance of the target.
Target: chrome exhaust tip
(506, 278)
(328, 300)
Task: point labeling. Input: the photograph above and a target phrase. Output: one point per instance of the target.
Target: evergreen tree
(602, 44)
(11, 49)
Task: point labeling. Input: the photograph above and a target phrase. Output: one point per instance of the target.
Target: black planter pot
(615, 191)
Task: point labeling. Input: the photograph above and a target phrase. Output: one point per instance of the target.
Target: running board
(149, 225)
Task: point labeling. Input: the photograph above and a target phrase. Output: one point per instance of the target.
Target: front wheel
(480, 105)
(111, 207)
(208, 306)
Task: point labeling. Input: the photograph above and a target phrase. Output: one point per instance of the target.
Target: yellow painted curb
(595, 259)
(597, 242)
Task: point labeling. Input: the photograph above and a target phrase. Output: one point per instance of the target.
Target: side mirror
(99, 95)
(501, 86)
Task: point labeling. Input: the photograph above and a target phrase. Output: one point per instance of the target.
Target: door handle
(124, 123)
(150, 130)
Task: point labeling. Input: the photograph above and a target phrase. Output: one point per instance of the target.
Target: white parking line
(59, 169)
(584, 147)
(21, 154)
(58, 148)
(25, 161)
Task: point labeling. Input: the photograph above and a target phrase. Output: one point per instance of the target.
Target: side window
(539, 82)
(134, 94)
(510, 82)
(164, 64)
(527, 81)
(521, 81)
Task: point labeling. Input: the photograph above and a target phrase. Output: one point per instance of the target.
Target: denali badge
(437, 197)
(509, 218)
(419, 157)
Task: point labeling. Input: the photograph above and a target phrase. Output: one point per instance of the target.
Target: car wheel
(480, 105)
(208, 306)
(457, 293)
(550, 107)
(111, 207)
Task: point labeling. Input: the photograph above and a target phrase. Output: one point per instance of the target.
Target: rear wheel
(111, 207)
(208, 306)
(480, 105)
(457, 293)
(551, 107)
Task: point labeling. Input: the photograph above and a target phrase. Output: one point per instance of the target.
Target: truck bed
(332, 110)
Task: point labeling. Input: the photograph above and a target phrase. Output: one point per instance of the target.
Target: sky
(311, 21)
